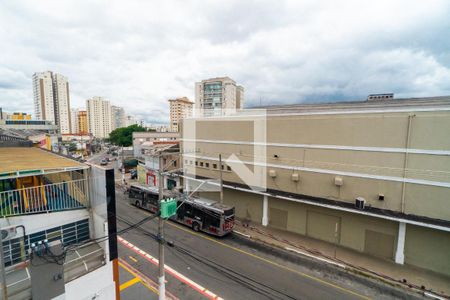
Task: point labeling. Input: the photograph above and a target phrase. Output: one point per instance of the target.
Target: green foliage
(72, 147)
(124, 136)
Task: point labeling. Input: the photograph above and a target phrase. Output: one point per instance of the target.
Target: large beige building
(180, 108)
(218, 96)
(99, 117)
(372, 176)
(52, 100)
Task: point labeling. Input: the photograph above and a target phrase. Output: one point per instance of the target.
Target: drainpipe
(405, 161)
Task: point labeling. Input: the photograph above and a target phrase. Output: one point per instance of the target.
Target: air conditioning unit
(272, 173)
(8, 233)
(360, 203)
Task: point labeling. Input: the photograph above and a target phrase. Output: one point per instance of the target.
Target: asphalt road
(226, 267)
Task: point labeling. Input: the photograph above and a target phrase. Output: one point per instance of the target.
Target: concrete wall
(366, 173)
(424, 248)
(427, 248)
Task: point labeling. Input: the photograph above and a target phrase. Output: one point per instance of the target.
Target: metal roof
(23, 161)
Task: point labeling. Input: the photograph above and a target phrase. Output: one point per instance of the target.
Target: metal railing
(44, 198)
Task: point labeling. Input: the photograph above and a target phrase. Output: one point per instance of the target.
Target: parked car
(103, 162)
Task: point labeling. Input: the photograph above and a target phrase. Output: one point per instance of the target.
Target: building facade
(118, 117)
(52, 100)
(145, 141)
(19, 116)
(82, 122)
(370, 176)
(74, 118)
(218, 96)
(180, 108)
(99, 117)
(59, 206)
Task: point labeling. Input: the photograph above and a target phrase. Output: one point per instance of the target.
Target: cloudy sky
(138, 54)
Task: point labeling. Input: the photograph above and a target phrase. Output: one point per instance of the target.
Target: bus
(198, 213)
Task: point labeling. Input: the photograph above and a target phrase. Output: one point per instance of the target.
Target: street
(199, 266)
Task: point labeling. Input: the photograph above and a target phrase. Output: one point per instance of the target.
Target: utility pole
(161, 279)
(221, 180)
(2, 262)
(123, 168)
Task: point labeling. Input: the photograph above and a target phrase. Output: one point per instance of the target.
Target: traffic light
(168, 207)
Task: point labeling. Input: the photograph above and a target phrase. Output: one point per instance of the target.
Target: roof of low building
(358, 105)
(30, 159)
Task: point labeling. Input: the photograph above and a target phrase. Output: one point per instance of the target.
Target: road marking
(132, 258)
(205, 292)
(129, 283)
(269, 261)
(144, 282)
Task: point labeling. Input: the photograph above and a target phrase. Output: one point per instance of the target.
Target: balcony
(45, 198)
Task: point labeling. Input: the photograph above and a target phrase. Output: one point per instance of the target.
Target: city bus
(198, 213)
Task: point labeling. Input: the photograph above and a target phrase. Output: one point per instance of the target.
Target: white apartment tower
(118, 117)
(99, 117)
(218, 96)
(52, 100)
(74, 120)
(180, 108)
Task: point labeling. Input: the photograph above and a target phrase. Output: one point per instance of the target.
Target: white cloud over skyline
(138, 54)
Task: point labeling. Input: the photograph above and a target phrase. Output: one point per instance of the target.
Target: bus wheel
(137, 204)
(195, 226)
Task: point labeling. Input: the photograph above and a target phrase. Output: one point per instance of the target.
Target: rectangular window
(207, 165)
(214, 166)
(228, 168)
(201, 164)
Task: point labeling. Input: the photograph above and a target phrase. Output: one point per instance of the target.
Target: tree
(124, 136)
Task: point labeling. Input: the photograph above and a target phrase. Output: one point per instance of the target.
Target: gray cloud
(140, 54)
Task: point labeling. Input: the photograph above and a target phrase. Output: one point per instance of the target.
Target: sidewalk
(349, 259)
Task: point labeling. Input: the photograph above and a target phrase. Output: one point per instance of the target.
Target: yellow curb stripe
(142, 281)
(132, 258)
(129, 283)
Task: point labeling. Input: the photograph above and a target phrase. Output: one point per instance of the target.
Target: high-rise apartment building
(74, 118)
(82, 122)
(52, 100)
(218, 96)
(131, 120)
(118, 117)
(99, 117)
(180, 108)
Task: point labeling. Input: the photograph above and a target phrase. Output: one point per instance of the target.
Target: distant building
(180, 108)
(19, 116)
(131, 120)
(51, 99)
(218, 96)
(74, 118)
(3, 115)
(99, 117)
(118, 117)
(82, 122)
(144, 142)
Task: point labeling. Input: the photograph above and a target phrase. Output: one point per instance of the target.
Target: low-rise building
(143, 142)
(371, 176)
(55, 223)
